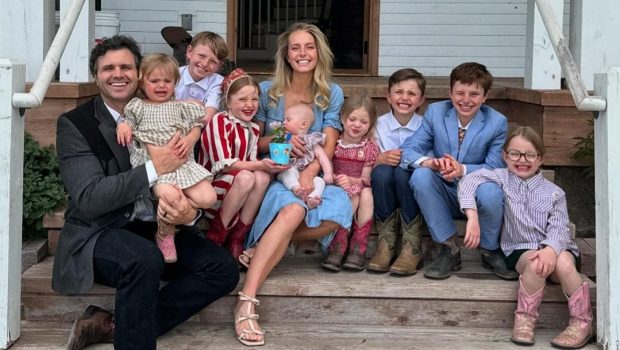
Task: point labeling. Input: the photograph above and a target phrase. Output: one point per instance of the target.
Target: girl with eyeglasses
(535, 238)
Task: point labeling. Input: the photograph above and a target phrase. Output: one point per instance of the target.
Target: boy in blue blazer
(464, 135)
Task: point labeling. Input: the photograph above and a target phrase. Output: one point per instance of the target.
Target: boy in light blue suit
(464, 135)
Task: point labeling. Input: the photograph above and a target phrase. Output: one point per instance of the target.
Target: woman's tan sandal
(250, 318)
(245, 258)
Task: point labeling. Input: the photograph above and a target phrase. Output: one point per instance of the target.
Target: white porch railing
(583, 101)
(607, 187)
(12, 102)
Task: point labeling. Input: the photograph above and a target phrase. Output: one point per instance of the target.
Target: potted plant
(279, 148)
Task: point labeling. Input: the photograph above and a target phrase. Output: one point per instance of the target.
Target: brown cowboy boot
(386, 247)
(95, 325)
(579, 331)
(411, 252)
(217, 232)
(236, 238)
(336, 250)
(526, 315)
(356, 259)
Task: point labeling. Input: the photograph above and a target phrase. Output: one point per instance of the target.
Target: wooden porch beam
(607, 194)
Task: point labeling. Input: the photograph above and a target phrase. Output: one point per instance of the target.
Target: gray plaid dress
(155, 124)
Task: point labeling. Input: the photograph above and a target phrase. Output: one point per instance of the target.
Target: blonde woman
(303, 75)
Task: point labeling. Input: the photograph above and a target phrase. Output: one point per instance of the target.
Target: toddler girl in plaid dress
(229, 146)
(354, 158)
(155, 120)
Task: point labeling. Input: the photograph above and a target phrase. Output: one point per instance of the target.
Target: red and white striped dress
(224, 141)
(351, 159)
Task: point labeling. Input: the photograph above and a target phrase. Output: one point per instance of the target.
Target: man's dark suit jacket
(102, 193)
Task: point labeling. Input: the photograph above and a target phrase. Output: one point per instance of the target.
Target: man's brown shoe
(95, 325)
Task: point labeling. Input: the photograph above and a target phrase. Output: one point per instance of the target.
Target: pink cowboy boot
(236, 238)
(336, 251)
(526, 315)
(579, 331)
(356, 260)
(165, 241)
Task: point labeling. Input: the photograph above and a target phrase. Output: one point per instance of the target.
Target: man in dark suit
(103, 239)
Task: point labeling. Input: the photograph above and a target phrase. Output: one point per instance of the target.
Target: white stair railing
(607, 167)
(583, 101)
(12, 104)
(36, 95)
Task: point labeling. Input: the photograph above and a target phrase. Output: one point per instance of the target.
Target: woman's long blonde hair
(322, 72)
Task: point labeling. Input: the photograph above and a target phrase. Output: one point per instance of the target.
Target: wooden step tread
(303, 277)
(53, 335)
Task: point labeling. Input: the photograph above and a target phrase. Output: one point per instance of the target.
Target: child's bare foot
(313, 202)
(298, 191)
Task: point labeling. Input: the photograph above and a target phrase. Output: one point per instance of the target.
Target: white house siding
(144, 19)
(434, 36)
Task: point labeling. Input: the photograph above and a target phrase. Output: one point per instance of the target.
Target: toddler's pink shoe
(166, 245)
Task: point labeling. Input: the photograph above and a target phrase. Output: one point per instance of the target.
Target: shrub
(43, 189)
(585, 150)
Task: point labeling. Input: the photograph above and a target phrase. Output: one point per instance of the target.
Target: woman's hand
(546, 261)
(299, 146)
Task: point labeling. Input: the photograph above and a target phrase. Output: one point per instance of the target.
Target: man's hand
(123, 134)
(176, 212)
(546, 261)
(164, 158)
(391, 157)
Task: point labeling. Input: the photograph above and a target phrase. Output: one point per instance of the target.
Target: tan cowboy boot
(526, 315)
(411, 253)
(386, 247)
(579, 331)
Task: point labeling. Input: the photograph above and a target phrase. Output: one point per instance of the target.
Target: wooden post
(74, 61)
(12, 80)
(542, 67)
(593, 26)
(607, 194)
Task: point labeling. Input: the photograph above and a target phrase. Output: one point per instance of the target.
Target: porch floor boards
(53, 335)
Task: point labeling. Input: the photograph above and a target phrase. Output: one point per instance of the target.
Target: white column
(11, 178)
(542, 68)
(607, 194)
(26, 32)
(74, 61)
(594, 37)
(40, 32)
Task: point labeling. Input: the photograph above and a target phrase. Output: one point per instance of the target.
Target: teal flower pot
(280, 152)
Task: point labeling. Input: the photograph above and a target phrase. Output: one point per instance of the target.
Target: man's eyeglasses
(515, 155)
